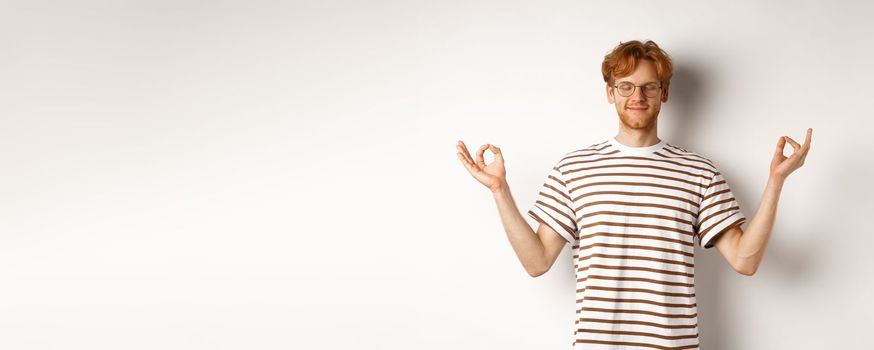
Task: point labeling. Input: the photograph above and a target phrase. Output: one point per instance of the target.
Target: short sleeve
(717, 212)
(554, 206)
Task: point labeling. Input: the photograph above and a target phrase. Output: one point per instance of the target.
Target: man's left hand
(781, 166)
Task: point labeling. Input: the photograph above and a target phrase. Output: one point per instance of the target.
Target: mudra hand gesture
(782, 166)
(492, 175)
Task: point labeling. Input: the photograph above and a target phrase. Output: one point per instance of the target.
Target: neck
(638, 137)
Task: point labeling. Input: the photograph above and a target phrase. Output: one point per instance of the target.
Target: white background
(282, 175)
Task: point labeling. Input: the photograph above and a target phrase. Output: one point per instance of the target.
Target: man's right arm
(536, 252)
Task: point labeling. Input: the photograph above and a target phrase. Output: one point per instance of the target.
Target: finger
(794, 144)
(807, 139)
(463, 147)
(471, 168)
(465, 158)
(464, 162)
(479, 156)
(462, 152)
(781, 143)
(497, 152)
(466, 153)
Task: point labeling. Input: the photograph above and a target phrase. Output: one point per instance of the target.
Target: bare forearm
(752, 243)
(528, 247)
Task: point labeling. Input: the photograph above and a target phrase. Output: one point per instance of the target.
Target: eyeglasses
(626, 89)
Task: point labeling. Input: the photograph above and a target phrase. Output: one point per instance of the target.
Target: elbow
(746, 270)
(746, 267)
(536, 270)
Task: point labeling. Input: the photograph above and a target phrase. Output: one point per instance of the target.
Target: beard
(636, 120)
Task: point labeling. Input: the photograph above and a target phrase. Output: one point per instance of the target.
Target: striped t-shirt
(632, 215)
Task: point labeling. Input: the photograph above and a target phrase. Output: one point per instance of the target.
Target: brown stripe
(643, 158)
(575, 154)
(645, 312)
(642, 323)
(590, 148)
(634, 257)
(562, 200)
(592, 341)
(706, 208)
(640, 290)
(638, 194)
(690, 158)
(704, 233)
(737, 222)
(565, 197)
(560, 212)
(677, 151)
(636, 279)
(621, 224)
(642, 215)
(619, 235)
(556, 190)
(720, 182)
(566, 227)
(644, 301)
(587, 155)
(636, 184)
(642, 334)
(664, 177)
(636, 166)
(717, 213)
(681, 149)
(639, 268)
(727, 190)
(594, 149)
(652, 205)
(557, 179)
(643, 247)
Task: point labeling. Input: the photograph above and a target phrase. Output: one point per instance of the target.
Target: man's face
(638, 111)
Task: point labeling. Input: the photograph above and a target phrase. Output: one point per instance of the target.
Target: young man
(632, 206)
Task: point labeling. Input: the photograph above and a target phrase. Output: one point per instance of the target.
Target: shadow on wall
(792, 264)
(687, 89)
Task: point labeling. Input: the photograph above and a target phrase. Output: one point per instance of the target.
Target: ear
(665, 94)
(610, 93)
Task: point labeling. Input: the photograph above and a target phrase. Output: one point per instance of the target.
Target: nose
(638, 94)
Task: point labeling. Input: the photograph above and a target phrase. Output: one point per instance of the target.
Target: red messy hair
(623, 60)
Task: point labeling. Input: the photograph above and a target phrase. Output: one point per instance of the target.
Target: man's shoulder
(582, 152)
(597, 146)
(674, 150)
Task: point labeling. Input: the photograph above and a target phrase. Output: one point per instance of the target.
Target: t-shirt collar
(636, 150)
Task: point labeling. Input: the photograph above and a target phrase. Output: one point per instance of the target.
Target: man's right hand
(492, 175)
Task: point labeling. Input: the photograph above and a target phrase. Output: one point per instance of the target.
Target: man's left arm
(744, 249)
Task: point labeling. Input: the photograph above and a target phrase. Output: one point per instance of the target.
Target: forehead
(645, 72)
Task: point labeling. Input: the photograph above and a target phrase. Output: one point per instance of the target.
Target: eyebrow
(626, 81)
